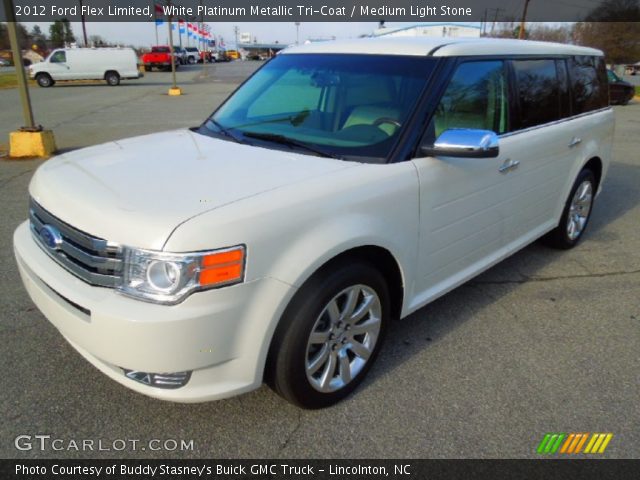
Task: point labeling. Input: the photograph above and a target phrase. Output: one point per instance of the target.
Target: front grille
(92, 259)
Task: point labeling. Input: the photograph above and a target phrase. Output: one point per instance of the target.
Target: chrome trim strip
(81, 238)
(108, 263)
(555, 122)
(98, 279)
(79, 253)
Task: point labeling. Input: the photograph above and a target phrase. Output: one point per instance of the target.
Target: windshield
(338, 105)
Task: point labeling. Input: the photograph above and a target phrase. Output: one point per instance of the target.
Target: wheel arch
(379, 257)
(595, 165)
(383, 261)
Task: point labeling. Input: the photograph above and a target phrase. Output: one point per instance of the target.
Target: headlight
(169, 278)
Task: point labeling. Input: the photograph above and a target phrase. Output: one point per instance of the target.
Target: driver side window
(59, 57)
(476, 98)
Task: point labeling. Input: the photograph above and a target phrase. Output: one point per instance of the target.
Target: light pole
(297, 33)
(30, 140)
(174, 90)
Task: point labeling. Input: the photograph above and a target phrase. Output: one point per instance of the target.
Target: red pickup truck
(159, 57)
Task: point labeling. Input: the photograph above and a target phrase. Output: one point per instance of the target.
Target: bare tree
(620, 41)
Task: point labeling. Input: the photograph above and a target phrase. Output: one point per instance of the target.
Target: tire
(44, 80)
(147, 69)
(112, 78)
(307, 370)
(192, 60)
(576, 214)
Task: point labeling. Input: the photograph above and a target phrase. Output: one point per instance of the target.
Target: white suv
(344, 185)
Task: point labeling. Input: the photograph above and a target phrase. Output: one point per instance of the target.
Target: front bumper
(221, 335)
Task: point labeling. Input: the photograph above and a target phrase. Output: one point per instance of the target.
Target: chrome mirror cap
(468, 143)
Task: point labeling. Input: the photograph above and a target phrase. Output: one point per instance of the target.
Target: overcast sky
(142, 34)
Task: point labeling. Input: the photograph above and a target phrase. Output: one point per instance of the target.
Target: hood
(137, 191)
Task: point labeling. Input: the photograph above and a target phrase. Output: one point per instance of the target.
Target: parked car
(620, 92)
(233, 55)
(207, 57)
(109, 64)
(193, 55)
(159, 57)
(4, 62)
(344, 185)
(181, 55)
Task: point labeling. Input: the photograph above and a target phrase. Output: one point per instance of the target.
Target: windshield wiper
(225, 131)
(276, 138)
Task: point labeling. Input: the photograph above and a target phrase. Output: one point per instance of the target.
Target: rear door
(547, 146)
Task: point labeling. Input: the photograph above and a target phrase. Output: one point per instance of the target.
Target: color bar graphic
(573, 443)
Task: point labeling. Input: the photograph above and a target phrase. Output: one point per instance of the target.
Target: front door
(464, 202)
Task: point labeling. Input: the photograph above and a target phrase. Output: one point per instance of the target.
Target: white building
(430, 30)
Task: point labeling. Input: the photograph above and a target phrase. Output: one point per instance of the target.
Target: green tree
(56, 34)
(69, 37)
(38, 39)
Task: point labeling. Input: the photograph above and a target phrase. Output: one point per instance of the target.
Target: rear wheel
(192, 60)
(112, 78)
(44, 80)
(576, 213)
(329, 336)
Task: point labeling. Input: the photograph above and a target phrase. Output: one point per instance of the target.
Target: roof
(441, 47)
(389, 30)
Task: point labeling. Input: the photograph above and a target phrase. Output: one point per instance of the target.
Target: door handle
(508, 165)
(575, 141)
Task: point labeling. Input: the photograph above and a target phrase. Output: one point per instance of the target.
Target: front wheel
(329, 336)
(44, 80)
(576, 213)
(112, 78)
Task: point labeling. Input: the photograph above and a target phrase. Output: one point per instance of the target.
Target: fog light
(159, 380)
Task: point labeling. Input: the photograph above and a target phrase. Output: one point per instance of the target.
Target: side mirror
(466, 143)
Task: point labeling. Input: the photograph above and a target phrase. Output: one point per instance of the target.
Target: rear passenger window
(538, 92)
(475, 98)
(588, 83)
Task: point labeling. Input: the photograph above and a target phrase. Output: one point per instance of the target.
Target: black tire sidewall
(45, 77)
(289, 376)
(112, 79)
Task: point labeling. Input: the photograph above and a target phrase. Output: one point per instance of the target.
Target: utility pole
(297, 33)
(495, 17)
(84, 25)
(483, 24)
(524, 19)
(236, 30)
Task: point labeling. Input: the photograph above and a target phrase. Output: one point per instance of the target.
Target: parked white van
(109, 64)
(344, 185)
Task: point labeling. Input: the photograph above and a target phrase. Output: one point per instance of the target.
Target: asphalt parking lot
(546, 341)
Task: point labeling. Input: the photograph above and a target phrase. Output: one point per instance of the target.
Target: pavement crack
(293, 432)
(551, 279)
(13, 177)
(105, 107)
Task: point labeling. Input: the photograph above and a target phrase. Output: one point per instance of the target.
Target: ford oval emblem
(51, 237)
